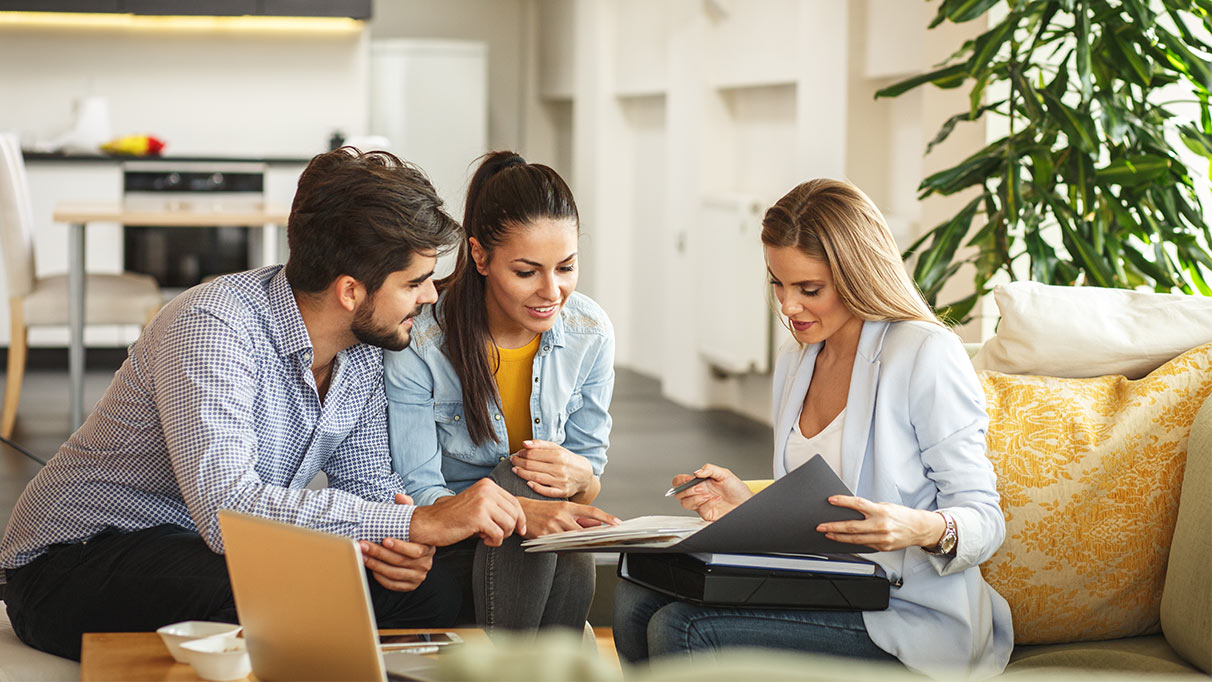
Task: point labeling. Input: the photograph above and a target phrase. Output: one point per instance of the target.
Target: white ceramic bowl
(219, 658)
(178, 633)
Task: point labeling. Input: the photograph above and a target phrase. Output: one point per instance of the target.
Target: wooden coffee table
(139, 656)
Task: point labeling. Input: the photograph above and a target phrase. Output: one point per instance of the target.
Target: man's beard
(387, 337)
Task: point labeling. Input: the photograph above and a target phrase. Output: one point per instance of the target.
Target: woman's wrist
(934, 527)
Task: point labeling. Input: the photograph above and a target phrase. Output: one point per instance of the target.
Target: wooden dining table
(79, 215)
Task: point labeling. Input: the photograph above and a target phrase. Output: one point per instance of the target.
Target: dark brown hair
(362, 215)
(833, 221)
(505, 194)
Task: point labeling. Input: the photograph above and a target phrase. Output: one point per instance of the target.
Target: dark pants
(142, 580)
(512, 589)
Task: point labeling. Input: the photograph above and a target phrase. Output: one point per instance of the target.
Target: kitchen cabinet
(356, 9)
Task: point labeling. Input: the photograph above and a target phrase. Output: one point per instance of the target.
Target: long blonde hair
(834, 221)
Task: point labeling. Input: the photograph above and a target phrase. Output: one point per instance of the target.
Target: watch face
(948, 542)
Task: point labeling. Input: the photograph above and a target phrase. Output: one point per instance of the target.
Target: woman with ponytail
(509, 377)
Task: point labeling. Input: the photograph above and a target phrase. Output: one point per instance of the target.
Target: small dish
(219, 658)
(178, 633)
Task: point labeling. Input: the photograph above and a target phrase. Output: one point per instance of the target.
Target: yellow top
(513, 383)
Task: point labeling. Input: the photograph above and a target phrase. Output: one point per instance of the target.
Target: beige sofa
(1185, 643)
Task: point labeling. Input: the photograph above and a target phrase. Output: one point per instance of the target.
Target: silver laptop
(305, 606)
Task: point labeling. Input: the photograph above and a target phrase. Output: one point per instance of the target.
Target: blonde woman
(885, 393)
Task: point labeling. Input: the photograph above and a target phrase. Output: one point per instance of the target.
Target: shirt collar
(555, 335)
(289, 333)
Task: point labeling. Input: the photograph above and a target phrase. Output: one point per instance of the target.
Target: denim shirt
(573, 380)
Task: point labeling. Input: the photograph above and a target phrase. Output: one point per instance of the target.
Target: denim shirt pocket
(575, 401)
(453, 436)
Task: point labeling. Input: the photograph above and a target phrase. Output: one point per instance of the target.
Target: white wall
(673, 101)
(499, 23)
(214, 92)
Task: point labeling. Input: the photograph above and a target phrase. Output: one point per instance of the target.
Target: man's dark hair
(362, 215)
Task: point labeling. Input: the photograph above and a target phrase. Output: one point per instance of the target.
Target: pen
(685, 486)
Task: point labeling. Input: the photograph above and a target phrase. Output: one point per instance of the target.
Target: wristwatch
(946, 544)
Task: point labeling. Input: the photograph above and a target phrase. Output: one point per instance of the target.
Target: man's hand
(551, 470)
(484, 509)
(544, 517)
(398, 565)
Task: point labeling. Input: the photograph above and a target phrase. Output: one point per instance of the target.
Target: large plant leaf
(1085, 74)
(1133, 170)
(959, 311)
(972, 171)
(959, 11)
(932, 263)
(949, 125)
(1079, 128)
(987, 45)
(945, 75)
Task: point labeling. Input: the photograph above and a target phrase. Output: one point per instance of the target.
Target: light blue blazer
(914, 434)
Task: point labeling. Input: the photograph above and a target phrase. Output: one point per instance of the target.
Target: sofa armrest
(1186, 608)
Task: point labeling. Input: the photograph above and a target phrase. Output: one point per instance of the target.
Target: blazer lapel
(860, 402)
(794, 390)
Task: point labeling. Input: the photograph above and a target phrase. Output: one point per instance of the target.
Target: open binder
(781, 518)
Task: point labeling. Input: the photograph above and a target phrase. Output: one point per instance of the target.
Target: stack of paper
(846, 564)
(649, 531)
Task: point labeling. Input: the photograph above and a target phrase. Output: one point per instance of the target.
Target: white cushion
(1081, 332)
(108, 299)
(20, 662)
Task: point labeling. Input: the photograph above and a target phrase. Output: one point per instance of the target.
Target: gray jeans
(516, 590)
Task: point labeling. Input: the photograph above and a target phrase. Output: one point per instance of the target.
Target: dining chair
(125, 298)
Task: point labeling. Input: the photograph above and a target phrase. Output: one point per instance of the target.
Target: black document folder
(689, 579)
(781, 518)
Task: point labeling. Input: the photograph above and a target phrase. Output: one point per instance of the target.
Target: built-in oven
(180, 257)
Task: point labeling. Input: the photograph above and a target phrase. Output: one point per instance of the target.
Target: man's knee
(435, 603)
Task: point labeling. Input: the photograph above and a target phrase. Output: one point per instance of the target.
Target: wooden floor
(605, 639)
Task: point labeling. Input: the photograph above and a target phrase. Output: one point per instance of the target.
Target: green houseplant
(1087, 186)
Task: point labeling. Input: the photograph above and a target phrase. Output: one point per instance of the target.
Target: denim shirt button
(496, 417)
(502, 459)
(546, 349)
(536, 420)
(457, 417)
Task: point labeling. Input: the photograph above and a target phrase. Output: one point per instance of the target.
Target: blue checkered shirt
(216, 408)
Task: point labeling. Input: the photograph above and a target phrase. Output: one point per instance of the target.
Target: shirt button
(496, 417)
(546, 348)
(502, 459)
(536, 420)
(457, 417)
(536, 380)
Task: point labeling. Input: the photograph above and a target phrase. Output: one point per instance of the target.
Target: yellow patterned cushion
(1090, 472)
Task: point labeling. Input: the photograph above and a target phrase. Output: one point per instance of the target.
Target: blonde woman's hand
(713, 498)
(884, 526)
(552, 471)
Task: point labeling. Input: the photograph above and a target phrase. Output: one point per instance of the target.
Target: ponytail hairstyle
(506, 194)
(833, 221)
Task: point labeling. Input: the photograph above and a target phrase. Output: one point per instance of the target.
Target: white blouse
(827, 444)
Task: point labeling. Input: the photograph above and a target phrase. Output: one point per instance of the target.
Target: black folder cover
(686, 578)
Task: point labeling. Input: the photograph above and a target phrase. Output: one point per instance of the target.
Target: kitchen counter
(61, 157)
